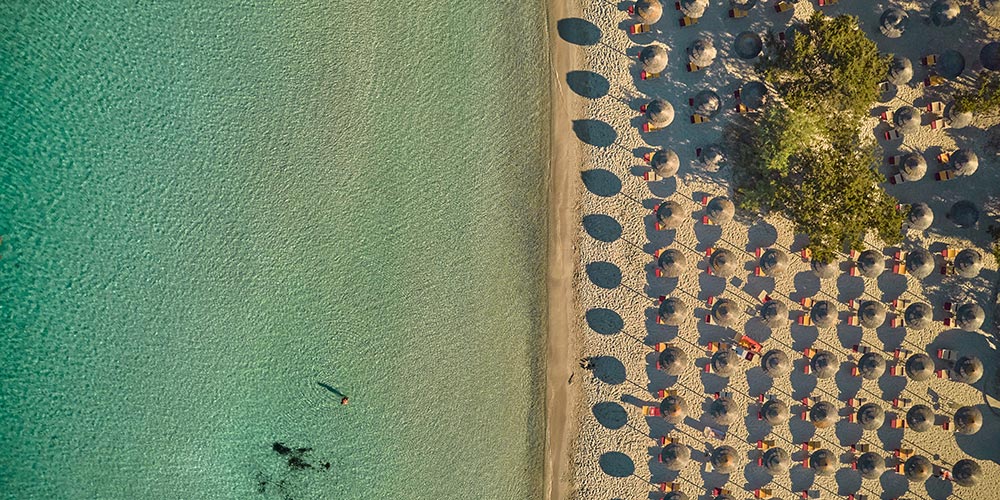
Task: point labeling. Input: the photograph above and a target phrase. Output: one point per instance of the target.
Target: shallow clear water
(211, 210)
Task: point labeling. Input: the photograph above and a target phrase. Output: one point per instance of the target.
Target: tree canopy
(985, 99)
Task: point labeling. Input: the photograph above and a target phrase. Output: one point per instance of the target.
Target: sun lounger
(638, 29)
(692, 67)
(808, 352)
(945, 175)
(672, 486)
(940, 373)
(935, 107)
(805, 320)
(902, 453)
(722, 394)
(663, 393)
(714, 347)
(687, 21)
(665, 440)
(898, 423)
(649, 127)
(901, 403)
(898, 304)
(900, 353)
(944, 422)
(949, 254)
(763, 296)
(933, 80)
(897, 255)
(894, 160)
(861, 349)
(806, 302)
(944, 158)
(757, 271)
(710, 300)
(783, 6)
(886, 116)
(646, 75)
(662, 346)
(929, 60)
(899, 268)
(853, 320)
(896, 179)
(763, 493)
(892, 134)
(811, 446)
(947, 354)
(896, 322)
(714, 433)
(806, 254)
(721, 491)
(765, 444)
(696, 118)
(738, 13)
(854, 402)
(937, 124)
(651, 411)
(861, 448)
(883, 86)
(651, 176)
(948, 322)
(855, 371)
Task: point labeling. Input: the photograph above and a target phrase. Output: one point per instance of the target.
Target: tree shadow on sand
(617, 464)
(604, 274)
(588, 84)
(604, 321)
(595, 132)
(610, 414)
(578, 31)
(602, 227)
(609, 369)
(601, 182)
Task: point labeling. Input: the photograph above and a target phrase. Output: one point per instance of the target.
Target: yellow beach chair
(688, 21)
(738, 13)
(638, 29)
(783, 6)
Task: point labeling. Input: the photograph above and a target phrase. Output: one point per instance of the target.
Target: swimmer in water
(344, 400)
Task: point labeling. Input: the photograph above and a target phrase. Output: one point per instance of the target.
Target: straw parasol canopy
(967, 472)
(969, 316)
(711, 155)
(944, 12)
(990, 7)
(907, 119)
(964, 214)
(706, 103)
(773, 261)
(775, 363)
(693, 8)
(665, 162)
(893, 22)
(951, 63)
(870, 263)
(649, 11)
(823, 414)
(673, 409)
(673, 361)
(670, 214)
(919, 263)
(653, 58)
(660, 112)
(673, 310)
(672, 263)
(920, 216)
(968, 420)
(920, 418)
(871, 314)
(725, 363)
(913, 167)
(774, 313)
(723, 411)
(724, 459)
(870, 416)
(824, 270)
(823, 461)
(968, 369)
(722, 263)
(920, 367)
(720, 209)
(900, 70)
(824, 314)
(777, 461)
(748, 45)
(917, 315)
(871, 365)
(964, 162)
(968, 263)
(725, 312)
(675, 456)
(825, 364)
(956, 118)
(775, 412)
(917, 468)
(989, 56)
(753, 94)
(871, 465)
(702, 52)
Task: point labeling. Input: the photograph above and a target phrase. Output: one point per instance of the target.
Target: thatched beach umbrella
(673, 310)
(725, 312)
(944, 12)
(665, 162)
(653, 58)
(990, 7)
(967, 472)
(775, 363)
(989, 56)
(722, 263)
(913, 166)
(776, 461)
(968, 420)
(824, 462)
(919, 217)
(900, 70)
(964, 162)
(823, 414)
(702, 52)
(706, 103)
(870, 263)
(673, 361)
(919, 263)
(720, 209)
(969, 317)
(672, 263)
(773, 261)
(673, 409)
(675, 456)
(660, 112)
(918, 315)
(724, 459)
(824, 364)
(870, 416)
(748, 45)
(774, 313)
(968, 263)
(871, 365)
(871, 465)
(956, 118)
(648, 11)
(968, 369)
(893, 22)
(951, 63)
(723, 411)
(907, 119)
(920, 418)
(824, 314)
(775, 412)
(711, 155)
(824, 270)
(754, 94)
(871, 313)
(725, 363)
(920, 367)
(693, 8)
(917, 468)
(963, 213)
(670, 214)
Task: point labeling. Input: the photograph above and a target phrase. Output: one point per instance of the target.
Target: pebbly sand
(599, 443)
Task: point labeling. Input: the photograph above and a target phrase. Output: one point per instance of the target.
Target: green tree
(985, 99)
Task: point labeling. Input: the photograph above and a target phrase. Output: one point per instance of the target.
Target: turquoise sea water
(207, 211)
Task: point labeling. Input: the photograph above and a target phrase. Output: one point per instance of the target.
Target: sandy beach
(599, 443)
